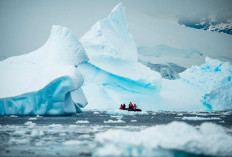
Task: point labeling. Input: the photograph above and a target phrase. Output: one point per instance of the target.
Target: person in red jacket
(135, 106)
(121, 106)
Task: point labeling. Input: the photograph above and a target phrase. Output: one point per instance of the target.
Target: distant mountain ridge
(209, 25)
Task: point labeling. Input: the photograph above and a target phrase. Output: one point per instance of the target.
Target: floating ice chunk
(85, 136)
(165, 140)
(29, 124)
(32, 118)
(201, 118)
(133, 121)
(19, 132)
(96, 112)
(72, 142)
(55, 126)
(115, 121)
(82, 121)
(13, 116)
(37, 133)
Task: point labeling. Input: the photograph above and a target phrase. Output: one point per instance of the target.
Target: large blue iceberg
(113, 74)
(45, 81)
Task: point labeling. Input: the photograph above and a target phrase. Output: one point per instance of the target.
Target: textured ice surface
(110, 37)
(200, 88)
(211, 75)
(41, 82)
(219, 99)
(105, 91)
(165, 140)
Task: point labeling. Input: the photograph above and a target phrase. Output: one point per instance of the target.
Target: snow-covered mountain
(208, 24)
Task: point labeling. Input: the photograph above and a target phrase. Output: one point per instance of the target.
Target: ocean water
(76, 135)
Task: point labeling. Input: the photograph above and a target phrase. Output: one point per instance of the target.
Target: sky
(25, 25)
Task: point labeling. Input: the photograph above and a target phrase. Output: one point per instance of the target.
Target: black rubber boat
(135, 110)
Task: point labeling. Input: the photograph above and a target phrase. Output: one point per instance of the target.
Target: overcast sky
(25, 24)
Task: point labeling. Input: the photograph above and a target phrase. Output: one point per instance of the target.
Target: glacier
(45, 81)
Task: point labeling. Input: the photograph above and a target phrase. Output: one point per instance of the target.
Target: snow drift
(42, 82)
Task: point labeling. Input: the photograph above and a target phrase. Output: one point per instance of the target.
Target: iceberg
(113, 74)
(45, 81)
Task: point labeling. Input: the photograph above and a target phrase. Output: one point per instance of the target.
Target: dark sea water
(75, 135)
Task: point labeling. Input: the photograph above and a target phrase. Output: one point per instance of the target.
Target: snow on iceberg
(211, 75)
(110, 37)
(219, 99)
(113, 74)
(44, 81)
(165, 140)
(200, 88)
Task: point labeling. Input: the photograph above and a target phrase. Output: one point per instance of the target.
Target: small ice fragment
(133, 121)
(115, 121)
(13, 116)
(72, 142)
(82, 121)
(37, 133)
(63, 134)
(55, 125)
(30, 124)
(32, 118)
(201, 118)
(118, 117)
